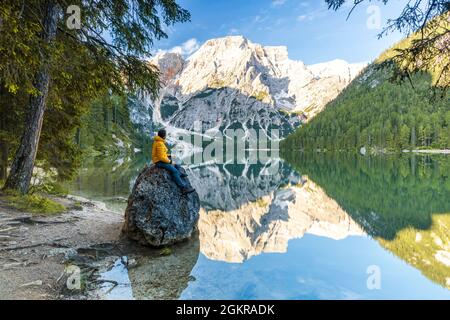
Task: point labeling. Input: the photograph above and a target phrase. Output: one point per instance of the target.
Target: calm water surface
(321, 227)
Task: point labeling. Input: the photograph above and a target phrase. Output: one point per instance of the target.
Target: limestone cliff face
(260, 71)
(267, 224)
(233, 80)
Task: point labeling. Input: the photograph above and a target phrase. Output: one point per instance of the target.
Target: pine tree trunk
(4, 145)
(413, 137)
(78, 137)
(23, 163)
(3, 159)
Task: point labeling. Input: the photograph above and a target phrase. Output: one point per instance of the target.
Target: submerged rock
(158, 213)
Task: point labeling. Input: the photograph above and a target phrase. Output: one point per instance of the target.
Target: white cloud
(185, 49)
(260, 19)
(304, 4)
(279, 21)
(318, 13)
(277, 3)
(233, 31)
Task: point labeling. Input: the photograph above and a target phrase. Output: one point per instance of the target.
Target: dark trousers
(174, 170)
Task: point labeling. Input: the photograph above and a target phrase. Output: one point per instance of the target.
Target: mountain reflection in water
(311, 232)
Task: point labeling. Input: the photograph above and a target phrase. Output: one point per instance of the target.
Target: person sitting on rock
(163, 160)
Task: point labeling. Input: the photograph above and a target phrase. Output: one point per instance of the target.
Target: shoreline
(43, 252)
(33, 260)
(380, 152)
(430, 151)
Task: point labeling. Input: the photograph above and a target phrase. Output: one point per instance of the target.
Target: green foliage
(418, 248)
(166, 251)
(393, 198)
(33, 203)
(261, 95)
(384, 194)
(427, 27)
(381, 111)
(377, 114)
(77, 206)
(49, 187)
(82, 66)
(107, 129)
(132, 25)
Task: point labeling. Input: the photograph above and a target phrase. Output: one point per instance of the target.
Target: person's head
(162, 133)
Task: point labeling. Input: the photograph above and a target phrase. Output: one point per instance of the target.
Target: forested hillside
(73, 131)
(392, 197)
(380, 114)
(108, 129)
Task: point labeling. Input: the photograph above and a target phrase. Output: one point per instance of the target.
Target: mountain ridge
(236, 62)
(375, 114)
(232, 80)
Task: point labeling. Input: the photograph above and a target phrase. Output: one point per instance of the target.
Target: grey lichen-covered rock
(158, 213)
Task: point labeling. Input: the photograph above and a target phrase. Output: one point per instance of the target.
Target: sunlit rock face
(253, 69)
(230, 75)
(267, 224)
(164, 277)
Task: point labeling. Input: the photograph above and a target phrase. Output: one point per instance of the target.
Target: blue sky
(311, 32)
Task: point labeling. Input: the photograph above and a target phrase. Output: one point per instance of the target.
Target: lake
(322, 226)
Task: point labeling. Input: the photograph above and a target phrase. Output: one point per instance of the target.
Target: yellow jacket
(159, 150)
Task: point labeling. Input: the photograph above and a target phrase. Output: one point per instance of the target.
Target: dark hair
(162, 133)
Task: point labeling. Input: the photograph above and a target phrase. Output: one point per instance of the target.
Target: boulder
(158, 214)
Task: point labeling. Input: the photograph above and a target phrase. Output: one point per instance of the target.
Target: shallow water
(121, 288)
(320, 227)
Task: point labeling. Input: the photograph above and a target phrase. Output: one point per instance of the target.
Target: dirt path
(34, 250)
(36, 254)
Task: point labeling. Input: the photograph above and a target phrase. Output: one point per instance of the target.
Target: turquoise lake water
(322, 226)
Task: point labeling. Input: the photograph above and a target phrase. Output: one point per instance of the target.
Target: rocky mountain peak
(337, 67)
(170, 64)
(229, 41)
(232, 79)
(261, 71)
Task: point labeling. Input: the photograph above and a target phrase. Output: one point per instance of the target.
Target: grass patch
(52, 188)
(261, 95)
(261, 202)
(77, 206)
(217, 84)
(165, 252)
(32, 203)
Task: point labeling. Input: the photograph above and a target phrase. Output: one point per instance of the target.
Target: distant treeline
(107, 127)
(71, 132)
(375, 113)
(384, 194)
(400, 200)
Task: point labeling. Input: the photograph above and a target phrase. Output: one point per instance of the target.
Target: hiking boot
(187, 190)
